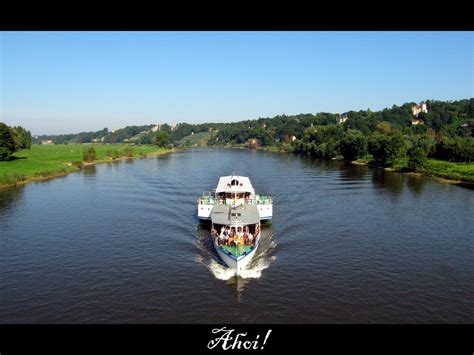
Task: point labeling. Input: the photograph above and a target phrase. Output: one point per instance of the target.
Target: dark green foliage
(22, 138)
(416, 157)
(353, 145)
(163, 139)
(8, 142)
(320, 141)
(88, 154)
(385, 149)
(459, 149)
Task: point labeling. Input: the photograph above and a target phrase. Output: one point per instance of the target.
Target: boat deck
(237, 250)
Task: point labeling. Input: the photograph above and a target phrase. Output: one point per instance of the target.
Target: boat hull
(235, 263)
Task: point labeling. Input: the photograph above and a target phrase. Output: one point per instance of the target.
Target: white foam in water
(222, 272)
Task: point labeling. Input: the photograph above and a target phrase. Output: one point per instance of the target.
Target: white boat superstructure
(235, 211)
(234, 191)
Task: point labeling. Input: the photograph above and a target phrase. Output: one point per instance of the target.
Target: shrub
(88, 154)
(416, 157)
(116, 154)
(128, 152)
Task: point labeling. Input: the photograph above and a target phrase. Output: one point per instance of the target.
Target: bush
(128, 152)
(10, 179)
(116, 154)
(142, 154)
(459, 149)
(88, 154)
(416, 157)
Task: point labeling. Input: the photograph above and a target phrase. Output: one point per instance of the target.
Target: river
(121, 243)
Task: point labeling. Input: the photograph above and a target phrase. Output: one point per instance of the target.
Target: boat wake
(254, 271)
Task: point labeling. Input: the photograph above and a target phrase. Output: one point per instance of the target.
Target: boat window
(234, 182)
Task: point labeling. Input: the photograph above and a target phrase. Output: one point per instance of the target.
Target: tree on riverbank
(162, 139)
(7, 143)
(353, 145)
(13, 139)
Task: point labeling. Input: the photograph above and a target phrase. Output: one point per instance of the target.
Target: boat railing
(211, 200)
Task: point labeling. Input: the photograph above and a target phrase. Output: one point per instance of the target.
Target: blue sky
(67, 82)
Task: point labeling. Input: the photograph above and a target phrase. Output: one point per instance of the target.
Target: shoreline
(428, 175)
(77, 167)
(425, 174)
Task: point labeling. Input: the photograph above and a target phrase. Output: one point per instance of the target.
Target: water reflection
(389, 181)
(10, 197)
(90, 172)
(353, 172)
(416, 184)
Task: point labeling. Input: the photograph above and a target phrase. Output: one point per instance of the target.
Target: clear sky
(67, 82)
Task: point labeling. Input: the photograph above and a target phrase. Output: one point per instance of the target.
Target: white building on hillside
(342, 118)
(419, 108)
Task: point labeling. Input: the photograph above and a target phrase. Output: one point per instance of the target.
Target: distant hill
(444, 117)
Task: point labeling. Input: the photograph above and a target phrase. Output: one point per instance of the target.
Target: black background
(293, 339)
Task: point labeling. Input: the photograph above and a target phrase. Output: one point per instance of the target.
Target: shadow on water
(395, 183)
(353, 172)
(90, 172)
(208, 256)
(416, 184)
(10, 197)
(389, 181)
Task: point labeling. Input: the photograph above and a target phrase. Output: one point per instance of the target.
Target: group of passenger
(234, 237)
(238, 198)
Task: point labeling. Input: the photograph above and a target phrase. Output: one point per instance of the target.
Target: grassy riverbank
(456, 172)
(45, 161)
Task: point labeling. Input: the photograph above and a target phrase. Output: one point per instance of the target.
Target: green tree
(385, 149)
(416, 157)
(7, 142)
(353, 145)
(163, 138)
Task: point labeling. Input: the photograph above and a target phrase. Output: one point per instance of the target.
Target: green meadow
(48, 160)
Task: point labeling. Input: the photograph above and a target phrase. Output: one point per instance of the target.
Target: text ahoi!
(229, 339)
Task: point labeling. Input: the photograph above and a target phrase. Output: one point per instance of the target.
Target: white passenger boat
(235, 212)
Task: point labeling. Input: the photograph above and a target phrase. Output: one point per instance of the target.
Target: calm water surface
(120, 243)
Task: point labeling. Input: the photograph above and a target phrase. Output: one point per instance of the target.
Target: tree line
(13, 139)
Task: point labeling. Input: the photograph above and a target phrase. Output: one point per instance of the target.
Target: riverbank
(43, 162)
(440, 170)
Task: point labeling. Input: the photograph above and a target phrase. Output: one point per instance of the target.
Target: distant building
(467, 127)
(47, 141)
(252, 143)
(417, 121)
(342, 118)
(419, 108)
(96, 140)
(155, 128)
